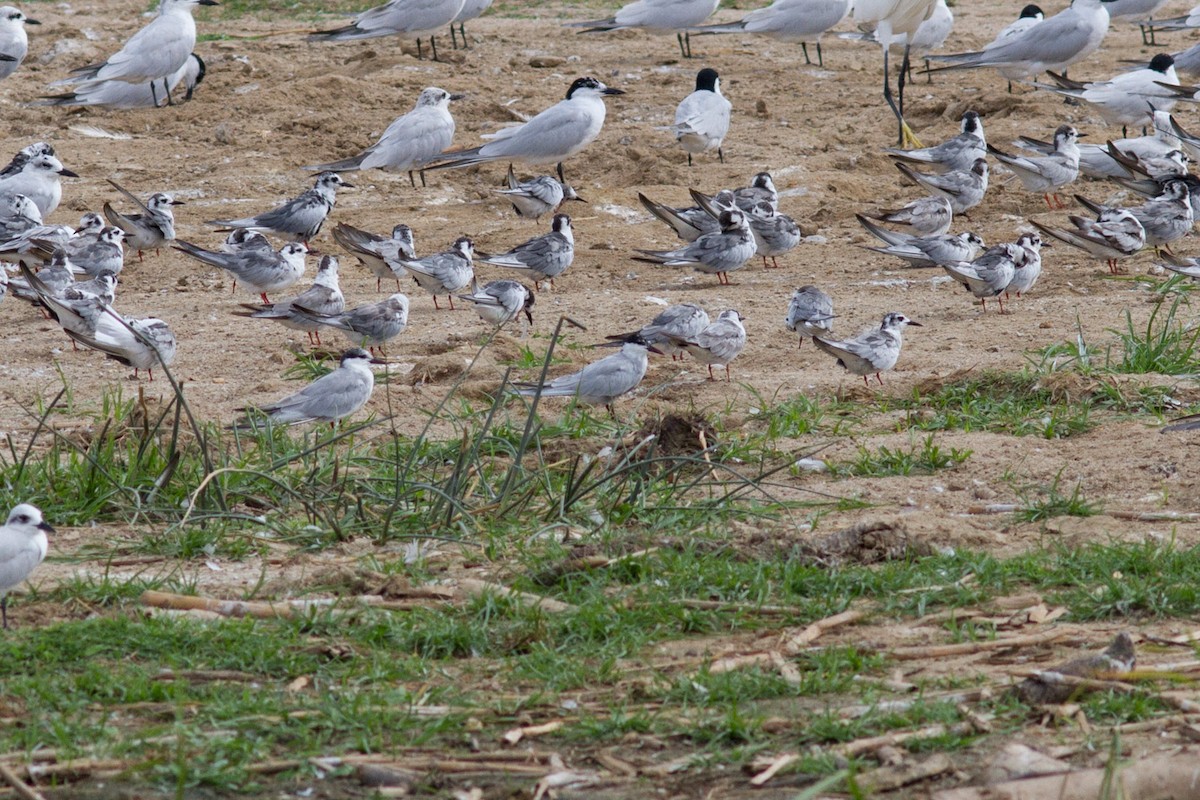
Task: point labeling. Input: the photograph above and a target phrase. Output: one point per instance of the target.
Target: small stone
(547, 62)
(760, 108)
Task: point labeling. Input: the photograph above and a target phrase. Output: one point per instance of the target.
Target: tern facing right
(498, 302)
(1047, 174)
(925, 216)
(150, 229)
(410, 142)
(327, 399)
(990, 274)
(381, 255)
(372, 325)
(963, 188)
(810, 313)
(875, 350)
(656, 16)
(924, 251)
(550, 137)
(38, 179)
(718, 253)
(1114, 235)
(800, 21)
(324, 297)
(543, 257)
(718, 344)
(537, 196)
(260, 270)
(119, 94)
(138, 343)
(23, 546)
(445, 272)
(415, 18)
(958, 153)
(601, 382)
(300, 218)
(681, 321)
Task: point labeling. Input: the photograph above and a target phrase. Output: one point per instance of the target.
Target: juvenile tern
(327, 399)
(718, 253)
(689, 223)
(372, 325)
(990, 274)
(926, 216)
(550, 137)
(718, 344)
(923, 251)
(874, 350)
(152, 54)
(810, 313)
(498, 302)
(656, 16)
(682, 321)
(963, 188)
(410, 142)
(138, 343)
(537, 196)
(260, 270)
(1114, 235)
(775, 234)
(149, 229)
(702, 118)
(324, 298)
(383, 256)
(543, 257)
(23, 546)
(300, 218)
(1047, 174)
(1166, 218)
(446, 272)
(1029, 269)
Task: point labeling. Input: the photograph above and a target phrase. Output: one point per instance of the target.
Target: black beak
(610, 90)
(580, 199)
(346, 185)
(915, 324)
(45, 526)
(457, 96)
(378, 361)
(31, 21)
(209, 3)
(654, 349)
(528, 316)
(68, 173)
(179, 202)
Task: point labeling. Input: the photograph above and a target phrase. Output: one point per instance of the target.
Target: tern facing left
(1129, 98)
(23, 546)
(327, 399)
(551, 137)
(702, 118)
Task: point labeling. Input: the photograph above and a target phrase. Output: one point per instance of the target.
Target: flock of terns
(72, 273)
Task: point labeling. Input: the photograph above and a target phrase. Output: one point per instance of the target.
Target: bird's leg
(804, 47)
(433, 46)
(561, 179)
(820, 57)
(153, 95)
(4, 610)
(450, 297)
(906, 136)
(422, 174)
(867, 381)
(420, 55)
(727, 378)
(689, 159)
(264, 298)
(983, 304)
(721, 154)
(928, 74)
(1046, 197)
(379, 285)
(1010, 87)
(139, 256)
(234, 289)
(167, 89)
(462, 32)
(879, 378)
(317, 333)
(679, 38)
(775, 262)
(412, 179)
(710, 375)
(453, 37)
(435, 303)
(149, 372)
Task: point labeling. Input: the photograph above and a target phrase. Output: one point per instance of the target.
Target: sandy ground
(271, 106)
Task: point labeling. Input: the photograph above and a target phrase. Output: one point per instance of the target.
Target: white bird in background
(702, 118)
(893, 18)
(1056, 43)
(1140, 12)
(14, 41)
(119, 94)
(38, 179)
(800, 21)
(656, 16)
(1129, 98)
(411, 141)
(327, 399)
(23, 546)
(152, 54)
(409, 18)
(1030, 15)
(551, 137)
(472, 9)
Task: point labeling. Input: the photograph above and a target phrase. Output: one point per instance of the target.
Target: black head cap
(706, 80)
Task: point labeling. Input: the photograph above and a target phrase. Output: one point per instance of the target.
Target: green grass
(1043, 502)
(924, 458)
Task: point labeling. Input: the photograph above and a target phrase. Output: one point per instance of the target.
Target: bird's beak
(346, 185)
(916, 324)
(580, 199)
(378, 361)
(1080, 135)
(45, 526)
(313, 252)
(457, 96)
(651, 348)
(611, 90)
(209, 3)
(179, 202)
(31, 21)
(528, 316)
(68, 173)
